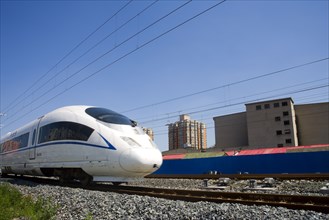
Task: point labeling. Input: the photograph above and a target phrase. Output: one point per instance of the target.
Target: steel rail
(288, 176)
(314, 203)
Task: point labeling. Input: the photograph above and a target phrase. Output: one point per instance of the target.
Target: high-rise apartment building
(187, 133)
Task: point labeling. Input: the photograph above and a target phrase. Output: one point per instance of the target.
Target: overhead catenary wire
(207, 122)
(242, 97)
(86, 52)
(122, 57)
(65, 56)
(317, 100)
(256, 121)
(241, 110)
(252, 101)
(163, 132)
(312, 97)
(98, 58)
(239, 103)
(229, 84)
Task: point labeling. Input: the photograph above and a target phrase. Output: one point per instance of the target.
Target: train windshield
(109, 116)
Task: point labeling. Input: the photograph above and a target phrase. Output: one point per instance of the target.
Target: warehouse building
(313, 123)
(187, 133)
(273, 123)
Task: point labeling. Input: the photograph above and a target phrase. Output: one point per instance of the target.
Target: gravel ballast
(81, 204)
(289, 187)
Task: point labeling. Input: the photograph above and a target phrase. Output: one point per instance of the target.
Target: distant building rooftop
(273, 100)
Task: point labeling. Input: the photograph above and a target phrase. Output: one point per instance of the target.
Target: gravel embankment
(297, 187)
(82, 204)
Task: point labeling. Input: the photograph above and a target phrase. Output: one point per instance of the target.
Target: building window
(288, 141)
(278, 118)
(267, 106)
(286, 122)
(258, 107)
(284, 103)
(280, 145)
(287, 131)
(276, 105)
(278, 132)
(286, 113)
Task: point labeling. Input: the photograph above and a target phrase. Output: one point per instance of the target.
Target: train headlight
(130, 141)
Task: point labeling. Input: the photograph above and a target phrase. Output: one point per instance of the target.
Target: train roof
(74, 109)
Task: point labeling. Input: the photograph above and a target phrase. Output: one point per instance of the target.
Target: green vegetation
(89, 216)
(14, 205)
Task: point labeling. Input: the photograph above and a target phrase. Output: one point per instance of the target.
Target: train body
(83, 143)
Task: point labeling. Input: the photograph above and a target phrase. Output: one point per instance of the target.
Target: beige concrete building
(149, 132)
(231, 130)
(313, 123)
(273, 123)
(187, 133)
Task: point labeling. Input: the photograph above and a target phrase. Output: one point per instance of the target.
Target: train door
(32, 152)
(33, 149)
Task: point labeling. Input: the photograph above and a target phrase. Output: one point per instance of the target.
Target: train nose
(141, 160)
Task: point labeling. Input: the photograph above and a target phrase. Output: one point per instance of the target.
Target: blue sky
(234, 41)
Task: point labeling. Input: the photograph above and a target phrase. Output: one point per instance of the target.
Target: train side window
(16, 143)
(33, 137)
(64, 131)
(21, 141)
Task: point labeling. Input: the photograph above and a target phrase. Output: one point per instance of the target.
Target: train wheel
(86, 181)
(63, 180)
(4, 175)
(117, 183)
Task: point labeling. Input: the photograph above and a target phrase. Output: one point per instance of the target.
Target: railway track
(314, 203)
(313, 176)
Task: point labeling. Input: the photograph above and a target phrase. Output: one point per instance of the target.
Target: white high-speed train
(80, 143)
